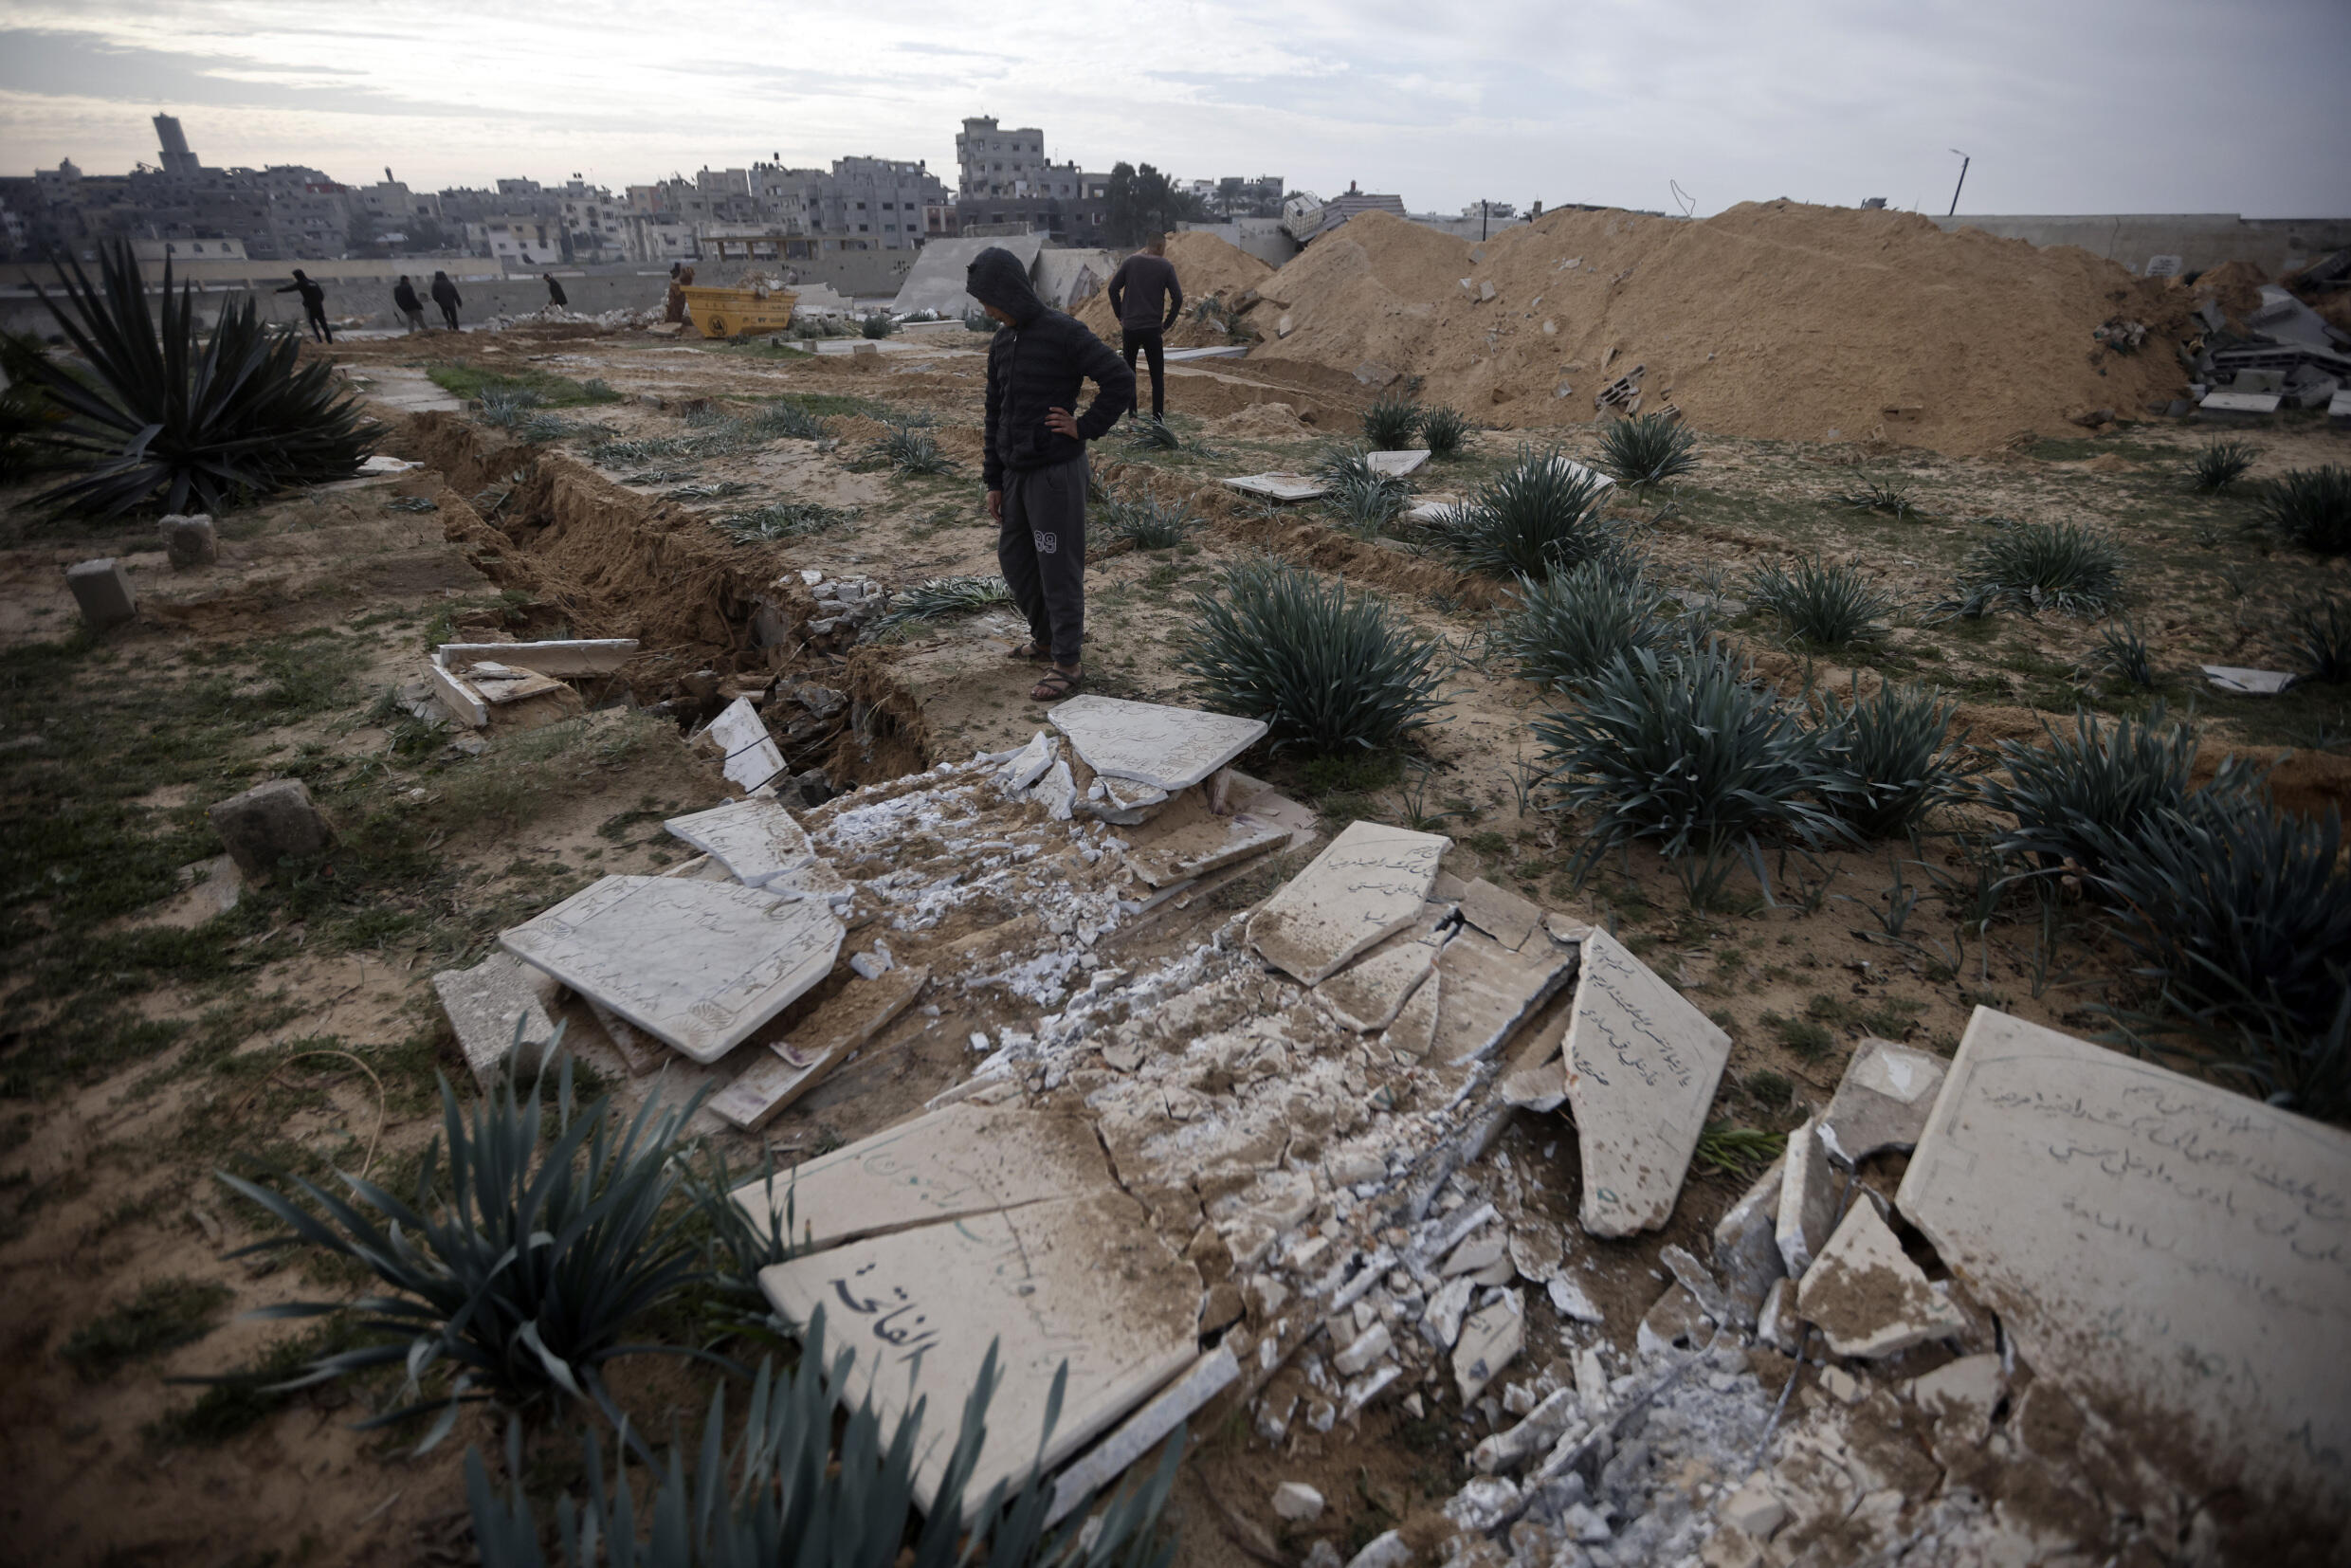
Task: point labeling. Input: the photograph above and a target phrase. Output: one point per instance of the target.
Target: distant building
(188, 251)
(1339, 209)
(177, 159)
(517, 237)
(1005, 184)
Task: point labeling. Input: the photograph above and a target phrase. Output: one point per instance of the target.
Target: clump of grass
(2312, 508)
(637, 452)
(1742, 1152)
(1806, 1039)
(876, 324)
(1894, 749)
(2218, 465)
(1648, 449)
(1830, 606)
(165, 1315)
(2082, 791)
(784, 519)
(1890, 497)
(1565, 626)
(596, 390)
(1366, 499)
(1147, 523)
(2321, 643)
(787, 418)
(908, 450)
(2037, 566)
(1155, 434)
(1539, 516)
(1329, 671)
(2123, 650)
(943, 597)
(1444, 431)
(1390, 423)
(1769, 1089)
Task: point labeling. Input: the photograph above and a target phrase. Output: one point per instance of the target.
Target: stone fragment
(1642, 1068)
(563, 657)
(1057, 791)
(1369, 1347)
(1143, 1430)
(1413, 1033)
(1807, 1200)
(635, 1048)
(1447, 1309)
(103, 589)
(1840, 1385)
(1881, 1102)
(757, 840)
(262, 825)
(496, 1008)
(1480, 1251)
(2168, 1253)
(2240, 682)
(698, 964)
(1536, 1431)
(1481, 1504)
(189, 540)
(1368, 994)
(1583, 1523)
(819, 1043)
(1397, 463)
(1501, 914)
(1569, 1301)
(1368, 884)
(1962, 1394)
(1491, 1338)
(1388, 1549)
(1028, 764)
(1083, 1282)
(1867, 1296)
(741, 738)
(1198, 847)
(1697, 1279)
(1297, 1502)
(1746, 1248)
(1755, 1508)
(1489, 991)
(1167, 748)
(1776, 1323)
(1279, 484)
(1675, 1318)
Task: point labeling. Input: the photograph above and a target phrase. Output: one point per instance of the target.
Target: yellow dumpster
(738, 311)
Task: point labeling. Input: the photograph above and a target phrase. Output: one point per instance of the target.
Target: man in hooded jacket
(1036, 465)
(444, 295)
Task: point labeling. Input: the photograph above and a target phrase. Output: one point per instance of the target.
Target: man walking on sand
(1035, 466)
(1145, 298)
(314, 304)
(412, 309)
(444, 295)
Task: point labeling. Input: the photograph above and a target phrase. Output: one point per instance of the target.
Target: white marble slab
(1368, 884)
(1396, 465)
(1278, 487)
(1165, 747)
(790, 1067)
(1882, 1100)
(756, 840)
(1642, 1067)
(2176, 1255)
(591, 656)
(741, 738)
(698, 964)
(2248, 682)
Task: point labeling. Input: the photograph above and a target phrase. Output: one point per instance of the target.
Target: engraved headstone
(1642, 1065)
(699, 964)
(1150, 744)
(2175, 1255)
(1367, 884)
(1084, 1282)
(756, 840)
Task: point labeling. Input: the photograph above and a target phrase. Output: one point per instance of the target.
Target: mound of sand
(1262, 419)
(1770, 319)
(1205, 265)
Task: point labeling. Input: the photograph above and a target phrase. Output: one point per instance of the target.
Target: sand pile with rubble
(1770, 319)
(1205, 265)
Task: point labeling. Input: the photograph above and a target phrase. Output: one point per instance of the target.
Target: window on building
(861, 229)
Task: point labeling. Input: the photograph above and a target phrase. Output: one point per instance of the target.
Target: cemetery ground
(149, 1036)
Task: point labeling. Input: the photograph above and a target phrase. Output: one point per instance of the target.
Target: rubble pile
(2280, 354)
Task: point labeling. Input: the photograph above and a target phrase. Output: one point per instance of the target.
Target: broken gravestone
(741, 738)
(1808, 1199)
(497, 1008)
(1746, 1248)
(1881, 1102)
(790, 1067)
(1867, 1296)
(1488, 990)
(699, 964)
(1368, 884)
(756, 840)
(1368, 993)
(2173, 1254)
(189, 540)
(103, 589)
(268, 822)
(1150, 744)
(1642, 1067)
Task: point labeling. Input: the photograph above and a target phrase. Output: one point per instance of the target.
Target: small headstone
(1366, 886)
(1279, 484)
(1881, 1102)
(484, 1005)
(1865, 1295)
(189, 540)
(268, 822)
(1167, 748)
(757, 840)
(103, 589)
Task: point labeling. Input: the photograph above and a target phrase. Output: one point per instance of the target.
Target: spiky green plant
(2218, 465)
(514, 1278)
(1328, 671)
(1564, 628)
(1390, 423)
(1648, 449)
(908, 450)
(1890, 497)
(1687, 751)
(1366, 499)
(784, 519)
(1154, 434)
(26, 412)
(786, 418)
(1539, 516)
(2123, 650)
(878, 323)
(2312, 508)
(2037, 566)
(943, 597)
(1444, 431)
(1147, 523)
(2087, 789)
(170, 416)
(788, 1494)
(1735, 1151)
(2321, 640)
(1830, 606)
(1894, 749)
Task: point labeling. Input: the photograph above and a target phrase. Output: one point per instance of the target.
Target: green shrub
(2037, 566)
(1155, 434)
(1894, 749)
(169, 417)
(2218, 465)
(2122, 650)
(1327, 670)
(787, 418)
(908, 450)
(1648, 449)
(1390, 423)
(944, 596)
(2086, 790)
(879, 324)
(1890, 497)
(2313, 507)
(1444, 431)
(1367, 500)
(1829, 606)
(1564, 628)
(980, 321)
(1539, 517)
(2322, 639)
(1147, 523)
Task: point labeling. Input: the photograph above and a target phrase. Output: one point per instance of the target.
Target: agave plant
(1390, 423)
(516, 1277)
(1147, 524)
(2322, 639)
(2086, 791)
(1565, 626)
(2060, 566)
(1894, 749)
(1890, 497)
(1539, 516)
(1365, 499)
(1648, 449)
(784, 417)
(1329, 671)
(943, 597)
(907, 449)
(2123, 649)
(1155, 434)
(1828, 606)
(2218, 465)
(1444, 431)
(2313, 507)
(783, 520)
(1688, 751)
(173, 417)
(787, 1495)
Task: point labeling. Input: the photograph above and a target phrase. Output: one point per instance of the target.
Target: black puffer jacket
(1040, 363)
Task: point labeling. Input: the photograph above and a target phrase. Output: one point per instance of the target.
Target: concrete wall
(2201, 240)
(1263, 238)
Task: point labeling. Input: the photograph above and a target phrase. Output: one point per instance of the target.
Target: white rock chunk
(1297, 1502)
(1881, 1102)
(1807, 1200)
(1865, 1295)
(741, 738)
(1167, 748)
(1369, 1347)
(491, 1007)
(1366, 886)
(1490, 1341)
(1028, 764)
(1746, 1247)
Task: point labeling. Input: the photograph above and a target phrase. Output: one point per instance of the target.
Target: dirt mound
(2235, 284)
(1770, 319)
(1205, 265)
(1262, 419)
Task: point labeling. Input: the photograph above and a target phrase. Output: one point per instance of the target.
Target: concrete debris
(1881, 1102)
(1747, 1248)
(2235, 407)
(1367, 884)
(1867, 1296)
(189, 540)
(793, 1066)
(1675, 1321)
(1368, 994)
(740, 736)
(269, 822)
(1963, 1393)
(1297, 1503)
(497, 1009)
(756, 840)
(2239, 682)
(1569, 1301)
(1280, 485)
(103, 589)
(1808, 1198)
(1491, 1338)
(1197, 848)
(563, 658)
(1775, 1321)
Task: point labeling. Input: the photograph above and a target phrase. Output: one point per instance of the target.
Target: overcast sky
(2066, 105)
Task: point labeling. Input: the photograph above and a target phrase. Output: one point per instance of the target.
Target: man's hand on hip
(1060, 422)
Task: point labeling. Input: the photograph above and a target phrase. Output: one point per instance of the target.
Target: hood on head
(998, 278)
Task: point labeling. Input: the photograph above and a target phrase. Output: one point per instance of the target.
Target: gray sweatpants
(1042, 548)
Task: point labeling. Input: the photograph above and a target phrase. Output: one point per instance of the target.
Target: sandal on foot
(1056, 685)
(1032, 651)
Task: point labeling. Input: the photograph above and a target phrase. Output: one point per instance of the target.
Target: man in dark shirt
(444, 295)
(412, 309)
(1036, 464)
(314, 304)
(554, 291)
(1145, 296)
